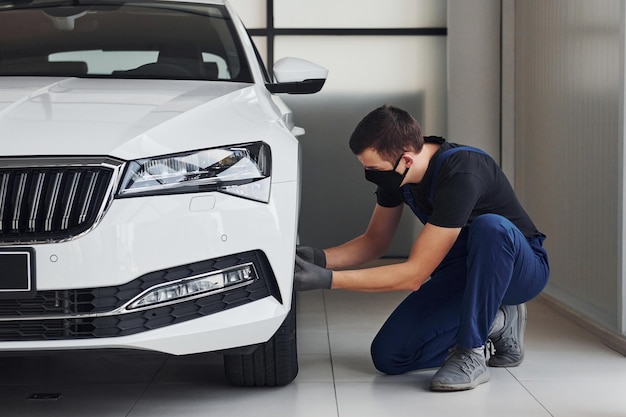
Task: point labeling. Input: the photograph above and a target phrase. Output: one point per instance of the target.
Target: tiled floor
(567, 373)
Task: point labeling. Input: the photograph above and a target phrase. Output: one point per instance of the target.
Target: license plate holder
(17, 273)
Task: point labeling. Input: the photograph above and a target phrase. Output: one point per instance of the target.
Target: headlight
(242, 170)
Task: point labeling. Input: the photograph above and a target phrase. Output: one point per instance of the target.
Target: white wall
(569, 90)
(474, 74)
(550, 87)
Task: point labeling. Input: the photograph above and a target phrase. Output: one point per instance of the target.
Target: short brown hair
(388, 130)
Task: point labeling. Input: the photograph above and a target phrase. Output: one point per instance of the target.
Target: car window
(138, 40)
(103, 62)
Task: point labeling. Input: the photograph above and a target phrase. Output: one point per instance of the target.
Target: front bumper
(228, 329)
(143, 242)
(102, 312)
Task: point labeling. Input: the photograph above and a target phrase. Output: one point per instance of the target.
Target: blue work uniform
(498, 259)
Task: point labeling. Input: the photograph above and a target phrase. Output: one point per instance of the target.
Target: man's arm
(429, 249)
(370, 245)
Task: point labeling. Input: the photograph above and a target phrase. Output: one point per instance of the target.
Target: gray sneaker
(508, 342)
(463, 369)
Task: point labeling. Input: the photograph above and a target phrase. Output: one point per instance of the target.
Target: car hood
(122, 118)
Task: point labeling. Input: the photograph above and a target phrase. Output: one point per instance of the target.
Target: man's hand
(309, 276)
(312, 255)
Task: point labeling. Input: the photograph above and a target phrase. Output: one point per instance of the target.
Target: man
(480, 249)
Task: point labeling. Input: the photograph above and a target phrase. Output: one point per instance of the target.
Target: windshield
(130, 40)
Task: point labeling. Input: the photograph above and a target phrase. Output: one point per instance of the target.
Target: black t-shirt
(468, 184)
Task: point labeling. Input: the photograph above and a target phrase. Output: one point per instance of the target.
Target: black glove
(309, 276)
(312, 255)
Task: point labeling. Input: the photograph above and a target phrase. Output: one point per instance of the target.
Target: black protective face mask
(389, 180)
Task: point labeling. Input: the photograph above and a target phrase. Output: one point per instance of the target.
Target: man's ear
(409, 159)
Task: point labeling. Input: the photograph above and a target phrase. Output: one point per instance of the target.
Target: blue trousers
(491, 264)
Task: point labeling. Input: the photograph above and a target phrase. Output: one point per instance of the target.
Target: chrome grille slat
(4, 186)
(36, 202)
(88, 196)
(49, 202)
(52, 202)
(69, 203)
(19, 197)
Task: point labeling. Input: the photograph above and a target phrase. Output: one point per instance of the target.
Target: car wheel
(273, 363)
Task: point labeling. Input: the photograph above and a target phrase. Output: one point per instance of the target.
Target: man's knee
(492, 227)
(383, 359)
(489, 222)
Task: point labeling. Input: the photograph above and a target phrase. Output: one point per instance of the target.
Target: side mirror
(297, 76)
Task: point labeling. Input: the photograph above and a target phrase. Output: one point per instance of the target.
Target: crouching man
(475, 263)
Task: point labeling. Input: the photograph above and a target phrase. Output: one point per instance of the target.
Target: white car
(149, 183)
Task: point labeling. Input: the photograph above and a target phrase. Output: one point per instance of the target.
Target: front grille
(51, 203)
(28, 317)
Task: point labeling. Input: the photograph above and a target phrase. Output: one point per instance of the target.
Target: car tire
(273, 363)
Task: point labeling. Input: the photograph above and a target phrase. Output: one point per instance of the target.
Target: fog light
(195, 286)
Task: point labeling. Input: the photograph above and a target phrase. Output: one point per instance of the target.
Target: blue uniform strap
(406, 190)
(408, 197)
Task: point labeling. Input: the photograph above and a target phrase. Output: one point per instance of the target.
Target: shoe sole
(438, 386)
(521, 326)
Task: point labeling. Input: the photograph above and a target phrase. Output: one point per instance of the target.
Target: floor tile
(354, 342)
(296, 399)
(79, 367)
(311, 312)
(313, 341)
(410, 397)
(204, 368)
(314, 368)
(88, 400)
(558, 349)
(580, 398)
(356, 311)
(348, 367)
